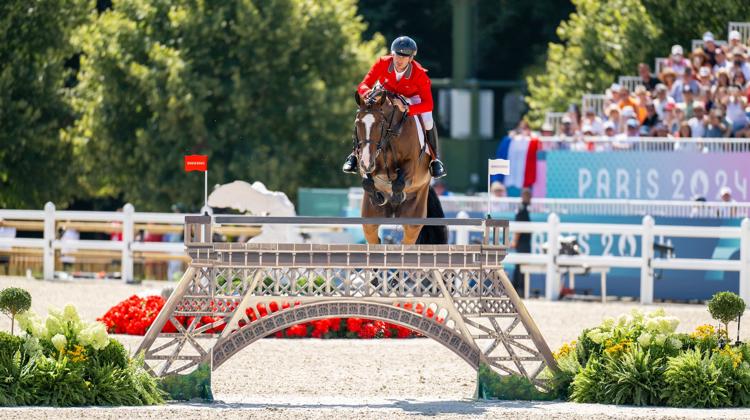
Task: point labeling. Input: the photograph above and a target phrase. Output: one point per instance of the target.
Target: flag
(196, 163)
(498, 166)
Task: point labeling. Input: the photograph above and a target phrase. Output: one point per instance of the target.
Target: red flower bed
(135, 315)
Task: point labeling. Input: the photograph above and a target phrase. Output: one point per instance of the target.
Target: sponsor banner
(646, 175)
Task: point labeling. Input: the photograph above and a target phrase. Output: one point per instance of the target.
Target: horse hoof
(398, 198)
(379, 199)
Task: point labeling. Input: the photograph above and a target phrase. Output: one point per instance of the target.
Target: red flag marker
(196, 163)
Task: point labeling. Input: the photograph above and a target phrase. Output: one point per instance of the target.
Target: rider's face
(401, 62)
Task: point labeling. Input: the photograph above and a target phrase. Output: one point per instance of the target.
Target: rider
(400, 73)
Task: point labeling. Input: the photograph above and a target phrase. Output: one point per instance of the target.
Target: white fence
(552, 260)
(605, 207)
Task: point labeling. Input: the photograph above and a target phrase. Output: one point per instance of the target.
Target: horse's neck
(406, 146)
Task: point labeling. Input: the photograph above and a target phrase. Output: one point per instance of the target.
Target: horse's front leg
(371, 233)
(397, 188)
(411, 233)
(376, 197)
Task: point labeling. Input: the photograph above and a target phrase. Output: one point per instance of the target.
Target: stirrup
(350, 165)
(437, 169)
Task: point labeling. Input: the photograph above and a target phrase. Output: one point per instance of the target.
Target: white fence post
(126, 265)
(647, 255)
(552, 282)
(48, 256)
(745, 260)
(462, 232)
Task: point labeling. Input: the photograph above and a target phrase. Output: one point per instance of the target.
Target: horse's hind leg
(411, 233)
(371, 234)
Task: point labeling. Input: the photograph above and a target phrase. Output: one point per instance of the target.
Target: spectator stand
(742, 27)
(630, 82)
(593, 101)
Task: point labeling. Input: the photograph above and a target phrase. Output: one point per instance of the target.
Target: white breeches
(426, 116)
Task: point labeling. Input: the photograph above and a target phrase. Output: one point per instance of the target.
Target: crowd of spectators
(702, 94)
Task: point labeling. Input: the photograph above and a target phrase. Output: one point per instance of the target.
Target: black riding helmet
(404, 46)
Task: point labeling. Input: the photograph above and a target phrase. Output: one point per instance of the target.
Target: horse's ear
(357, 98)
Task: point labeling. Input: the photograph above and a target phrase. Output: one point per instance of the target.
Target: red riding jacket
(414, 82)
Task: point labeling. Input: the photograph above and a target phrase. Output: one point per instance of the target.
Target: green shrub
(508, 387)
(695, 380)
(14, 301)
(114, 354)
(726, 307)
(635, 378)
(9, 344)
(586, 386)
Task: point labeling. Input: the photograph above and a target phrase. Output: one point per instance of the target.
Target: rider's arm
(425, 96)
(371, 77)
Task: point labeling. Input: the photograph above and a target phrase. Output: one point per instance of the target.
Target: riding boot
(350, 165)
(437, 169)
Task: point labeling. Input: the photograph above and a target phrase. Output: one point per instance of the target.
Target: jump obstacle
(475, 311)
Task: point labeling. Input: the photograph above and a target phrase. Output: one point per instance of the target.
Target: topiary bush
(14, 301)
(726, 307)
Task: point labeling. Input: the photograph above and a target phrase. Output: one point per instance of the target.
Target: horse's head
(375, 125)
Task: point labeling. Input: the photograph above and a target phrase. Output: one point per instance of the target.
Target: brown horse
(394, 166)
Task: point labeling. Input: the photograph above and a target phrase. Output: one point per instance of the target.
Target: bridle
(387, 132)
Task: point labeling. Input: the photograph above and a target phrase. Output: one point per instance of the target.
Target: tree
(36, 165)
(726, 307)
(600, 41)
(265, 88)
(13, 301)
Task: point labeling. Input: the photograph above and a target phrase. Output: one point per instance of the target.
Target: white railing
(552, 229)
(659, 63)
(742, 27)
(593, 101)
(630, 82)
(572, 206)
(646, 144)
(647, 262)
(554, 119)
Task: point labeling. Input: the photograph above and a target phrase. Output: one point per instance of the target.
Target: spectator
(522, 241)
(716, 125)
(684, 131)
(613, 114)
(624, 99)
(735, 106)
(698, 121)
(704, 95)
(677, 61)
(498, 190)
(627, 113)
(704, 77)
(709, 47)
(566, 128)
(660, 130)
(647, 79)
(671, 117)
(685, 80)
(547, 129)
(650, 121)
(661, 99)
(739, 80)
(698, 59)
(668, 78)
(593, 121)
(687, 99)
(641, 98)
(735, 41)
(726, 197)
(720, 60)
(739, 63)
(722, 80)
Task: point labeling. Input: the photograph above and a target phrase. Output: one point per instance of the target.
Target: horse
(394, 167)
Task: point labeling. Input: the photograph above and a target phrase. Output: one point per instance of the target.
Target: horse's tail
(433, 235)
